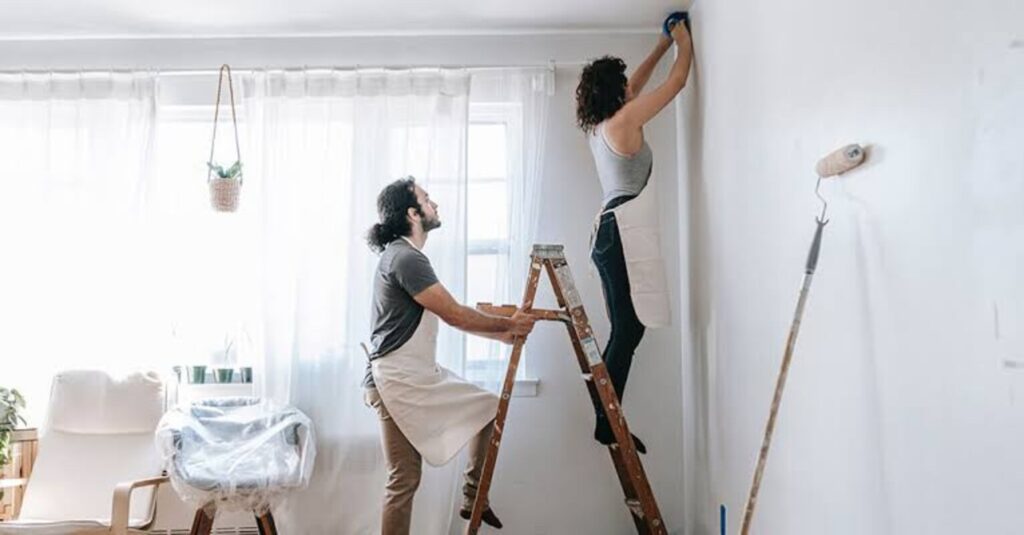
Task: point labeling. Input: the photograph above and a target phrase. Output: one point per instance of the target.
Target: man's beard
(428, 224)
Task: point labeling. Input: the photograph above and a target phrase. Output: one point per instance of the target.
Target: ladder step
(548, 251)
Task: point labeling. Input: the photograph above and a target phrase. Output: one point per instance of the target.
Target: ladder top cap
(547, 248)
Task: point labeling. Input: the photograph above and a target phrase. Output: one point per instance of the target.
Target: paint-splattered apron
(436, 410)
(640, 232)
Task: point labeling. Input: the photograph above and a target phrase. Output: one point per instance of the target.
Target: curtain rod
(213, 70)
(357, 67)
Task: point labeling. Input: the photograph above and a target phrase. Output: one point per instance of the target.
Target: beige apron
(640, 232)
(436, 410)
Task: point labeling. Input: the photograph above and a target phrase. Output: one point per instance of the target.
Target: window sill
(189, 392)
(524, 388)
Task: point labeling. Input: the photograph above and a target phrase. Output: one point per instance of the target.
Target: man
(425, 411)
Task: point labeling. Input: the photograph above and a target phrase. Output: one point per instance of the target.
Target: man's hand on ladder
(522, 323)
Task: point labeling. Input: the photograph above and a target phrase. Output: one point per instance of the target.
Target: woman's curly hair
(601, 91)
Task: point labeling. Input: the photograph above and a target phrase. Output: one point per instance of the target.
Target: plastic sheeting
(236, 453)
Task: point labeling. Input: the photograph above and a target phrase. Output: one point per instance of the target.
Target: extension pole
(780, 383)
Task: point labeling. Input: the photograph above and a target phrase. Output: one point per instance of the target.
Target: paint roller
(840, 161)
(833, 164)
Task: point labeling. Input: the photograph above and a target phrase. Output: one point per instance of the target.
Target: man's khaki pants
(404, 466)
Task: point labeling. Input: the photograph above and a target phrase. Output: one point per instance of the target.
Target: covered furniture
(240, 453)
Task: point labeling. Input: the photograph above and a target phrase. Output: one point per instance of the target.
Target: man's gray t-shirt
(402, 272)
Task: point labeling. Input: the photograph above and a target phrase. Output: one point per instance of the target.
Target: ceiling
(59, 19)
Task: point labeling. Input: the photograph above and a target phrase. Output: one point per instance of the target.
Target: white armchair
(98, 467)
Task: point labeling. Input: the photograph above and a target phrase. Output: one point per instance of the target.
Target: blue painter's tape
(674, 19)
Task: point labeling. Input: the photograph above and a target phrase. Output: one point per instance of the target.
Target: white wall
(901, 412)
(552, 477)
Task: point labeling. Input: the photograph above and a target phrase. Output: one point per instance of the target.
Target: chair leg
(202, 523)
(265, 523)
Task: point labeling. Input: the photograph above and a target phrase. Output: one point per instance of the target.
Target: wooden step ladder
(639, 497)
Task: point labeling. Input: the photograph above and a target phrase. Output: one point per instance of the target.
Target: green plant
(11, 403)
(230, 172)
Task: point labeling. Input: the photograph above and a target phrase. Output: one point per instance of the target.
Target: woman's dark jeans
(627, 331)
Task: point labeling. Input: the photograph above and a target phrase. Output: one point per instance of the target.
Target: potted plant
(245, 355)
(197, 374)
(226, 186)
(224, 371)
(224, 375)
(11, 404)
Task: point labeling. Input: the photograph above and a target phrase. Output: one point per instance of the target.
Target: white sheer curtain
(74, 279)
(322, 144)
(523, 95)
(109, 244)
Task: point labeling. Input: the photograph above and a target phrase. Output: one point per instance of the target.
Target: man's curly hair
(393, 204)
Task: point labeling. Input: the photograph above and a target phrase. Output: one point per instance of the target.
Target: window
(492, 132)
(225, 284)
(209, 259)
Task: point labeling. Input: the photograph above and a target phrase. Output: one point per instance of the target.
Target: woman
(612, 111)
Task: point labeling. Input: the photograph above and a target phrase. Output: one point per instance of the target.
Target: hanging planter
(225, 184)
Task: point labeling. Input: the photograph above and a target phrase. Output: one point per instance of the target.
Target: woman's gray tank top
(619, 175)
